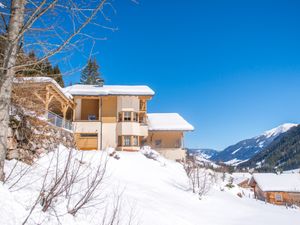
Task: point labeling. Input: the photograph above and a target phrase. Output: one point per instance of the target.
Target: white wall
(128, 128)
(109, 135)
(87, 127)
(129, 103)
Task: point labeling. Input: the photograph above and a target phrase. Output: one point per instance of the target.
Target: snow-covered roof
(274, 182)
(43, 80)
(240, 177)
(168, 122)
(95, 90)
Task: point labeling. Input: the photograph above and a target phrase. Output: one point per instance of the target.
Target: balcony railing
(58, 121)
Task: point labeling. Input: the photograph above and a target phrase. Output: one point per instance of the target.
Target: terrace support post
(64, 109)
(48, 99)
(74, 111)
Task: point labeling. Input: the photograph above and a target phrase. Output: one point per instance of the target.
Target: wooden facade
(42, 97)
(275, 197)
(87, 141)
(165, 139)
(106, 111)
(244, 183)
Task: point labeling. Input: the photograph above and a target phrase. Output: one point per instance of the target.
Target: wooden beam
(99, 109)
(60, 96)
(64, 109)
(39, 97)
(49, 98)
(74, 113)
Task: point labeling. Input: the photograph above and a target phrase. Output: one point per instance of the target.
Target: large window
(135, 141)
(128, 116)
(128, 140)
(135, 117)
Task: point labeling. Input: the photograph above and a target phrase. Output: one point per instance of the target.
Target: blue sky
(231, 68)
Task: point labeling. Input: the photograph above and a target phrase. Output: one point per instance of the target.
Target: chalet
(166, 134)
(283, 189)
(108, 116)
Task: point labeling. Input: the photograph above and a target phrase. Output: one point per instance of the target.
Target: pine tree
(44, 69)
(91, 74)
(57, 76)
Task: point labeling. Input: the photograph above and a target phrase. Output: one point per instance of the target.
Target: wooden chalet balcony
(58, 121)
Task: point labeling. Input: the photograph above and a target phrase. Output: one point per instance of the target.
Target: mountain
(282, 154)
(205, 153)
(246, 149)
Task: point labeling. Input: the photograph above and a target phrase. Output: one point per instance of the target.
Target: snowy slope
(156, 191)
(244, 150)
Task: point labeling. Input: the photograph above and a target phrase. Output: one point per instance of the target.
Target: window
(278, 197)
(127, 116)
(135, 141)
(157, 143)
(127, 141)
(87, 135)
(135, 117)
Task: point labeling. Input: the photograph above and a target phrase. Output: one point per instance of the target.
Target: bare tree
(47, 26)
(200, 178)
(67, 176)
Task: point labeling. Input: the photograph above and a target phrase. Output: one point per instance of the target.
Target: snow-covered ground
(156, 192)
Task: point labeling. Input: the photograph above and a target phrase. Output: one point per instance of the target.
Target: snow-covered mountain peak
(279, 130)
(246, 149)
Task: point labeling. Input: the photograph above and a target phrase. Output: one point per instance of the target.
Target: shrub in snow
(230, 183)
(150, 153)
(113, 153)
(62, 184)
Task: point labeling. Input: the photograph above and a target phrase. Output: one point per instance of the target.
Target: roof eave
(169, 130)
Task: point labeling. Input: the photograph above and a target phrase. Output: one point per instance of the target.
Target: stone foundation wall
(29, 137)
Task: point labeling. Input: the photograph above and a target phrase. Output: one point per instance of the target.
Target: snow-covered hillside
(205, 153)
(155, 192)
(244, 150)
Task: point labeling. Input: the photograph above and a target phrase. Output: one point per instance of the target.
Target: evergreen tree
(44, 69)
(91, 74)
(57, 76)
